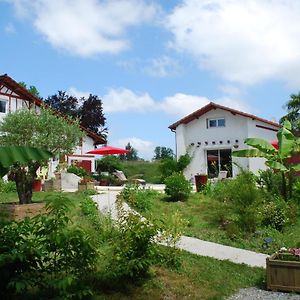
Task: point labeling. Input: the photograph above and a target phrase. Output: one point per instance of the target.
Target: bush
(169, 166)
(271, 181)
(140, 199)
(45, 252)
(177, 187)
(134, 250)
(275, 213)
(109, 163)
(241, 198)
(79, 171)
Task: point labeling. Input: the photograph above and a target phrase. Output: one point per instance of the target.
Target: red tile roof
(7, 81)
(200, 112)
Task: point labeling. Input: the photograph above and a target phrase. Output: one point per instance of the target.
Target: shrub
(275, 213)
(140, 199)
(241, 197)
(177, 187)
(169, 166)
(79, 171)
(46, 253)
(134, 250)
(109, 163)
(270, 181)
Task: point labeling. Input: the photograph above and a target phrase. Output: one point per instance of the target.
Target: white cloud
(162, 67)
(145, 148)
(125, 100)
(76, 93)
(180, 104)
(242, 41)
(86, 27)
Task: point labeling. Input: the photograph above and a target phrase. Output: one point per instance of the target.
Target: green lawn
(199, 212)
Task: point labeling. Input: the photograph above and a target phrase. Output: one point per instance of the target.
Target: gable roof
(200, 112)
(15, 87)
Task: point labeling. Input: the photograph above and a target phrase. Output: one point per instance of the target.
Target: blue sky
(153, 62)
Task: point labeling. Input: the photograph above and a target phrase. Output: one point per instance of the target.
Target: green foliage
(149, 171)
(293, 106)
(89, 113)
(79, 171)
(7, 186)
(140, 199)
(275, 213)
(132, 153)
(238, 200)
(271, 181)
(163, 153)
(172, 229)
(177, 187)
(46, 252)
(134, 250)
(169, 166)
(42, 130)
(32, 89)
(277, 160)
(109, 163)
(296, 192)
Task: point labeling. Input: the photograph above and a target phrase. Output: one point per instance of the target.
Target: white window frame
(217, 122)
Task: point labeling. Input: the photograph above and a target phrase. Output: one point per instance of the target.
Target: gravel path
(255, 293)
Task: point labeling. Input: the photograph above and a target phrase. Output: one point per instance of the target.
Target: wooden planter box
(48, 185)
(85, 186)
(283, 275)
(14, 211)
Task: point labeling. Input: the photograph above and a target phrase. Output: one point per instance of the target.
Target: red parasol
(106, 150)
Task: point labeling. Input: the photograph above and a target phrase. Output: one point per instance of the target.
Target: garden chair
(121, 176)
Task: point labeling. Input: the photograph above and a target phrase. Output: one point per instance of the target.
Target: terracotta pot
(37, 185)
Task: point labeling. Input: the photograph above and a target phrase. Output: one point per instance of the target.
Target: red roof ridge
(212, 105)
(17, 88)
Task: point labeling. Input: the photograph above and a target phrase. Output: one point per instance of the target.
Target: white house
(213, 132)
(13, 97)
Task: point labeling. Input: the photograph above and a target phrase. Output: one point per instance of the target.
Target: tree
(163, 153)
(63, 103)
(293, 109)
(90, 112)
(131, 155)
(91, 115)
(277, 160)
(42, 130)
(32, 89)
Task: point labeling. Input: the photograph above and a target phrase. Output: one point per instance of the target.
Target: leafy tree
(89, 111)
(63, 103)
(163, 153)
(32, 89)
(131, 155)
(91, 116)
(42, 130)
(293, 109)
(276, 159)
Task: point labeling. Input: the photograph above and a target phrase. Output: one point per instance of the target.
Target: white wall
(237, 128)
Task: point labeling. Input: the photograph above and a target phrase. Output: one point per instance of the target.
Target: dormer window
(218, 122)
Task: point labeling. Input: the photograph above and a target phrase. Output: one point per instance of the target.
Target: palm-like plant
(276, 159)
